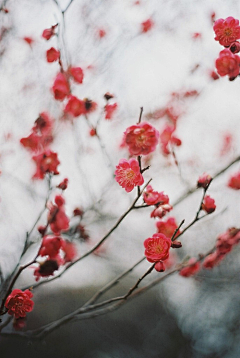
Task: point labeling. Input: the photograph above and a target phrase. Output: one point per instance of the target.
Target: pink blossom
(75, 106)
(128, 174)
(167, 227)
(141, 138)
(51, 246)
(46, 162)
(157, 247)
(60, 87)
(69, 250)
(204, 180)
(77, 74)
(227, 64)
(208, 204)
(192, 268)
(48, 33)
(166, 138)
(161, 211)
(109, 110)
(52, 55)
(19, 302)
(57, 217)
(234, 181)
(152, 197)
(147, 25)
(227, 31)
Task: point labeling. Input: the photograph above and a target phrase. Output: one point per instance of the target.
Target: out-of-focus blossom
(141, 138)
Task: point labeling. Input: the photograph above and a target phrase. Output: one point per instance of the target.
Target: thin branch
(192, 190)
(21, 268)
(112, 283)
(99, 243)
(140, 116)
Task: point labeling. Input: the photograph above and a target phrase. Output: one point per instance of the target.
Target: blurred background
(154, 54)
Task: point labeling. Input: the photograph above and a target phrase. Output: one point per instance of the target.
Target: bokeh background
(195, 317)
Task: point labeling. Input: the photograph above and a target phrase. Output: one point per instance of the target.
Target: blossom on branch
(57, 217)
(41, 135)
(227, 31)
(48, 33)
(75, 106)
(147, 25)
(167, 138)
(76, 73)
(19, 302)
(157, 247)
(141, 138)
(51, 246)
(234, 181)
(192, 268)
(60, 87)
(204, 180)
(208, 204)
(167, 227)
(161, 211)
(224, 245)
(152, 197)
(227, 64)
(128, 174)
(109, 110)
(46, 162)
(52, 55)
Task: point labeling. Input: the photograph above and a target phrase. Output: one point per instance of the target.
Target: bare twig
(193, 189)
(99, 243)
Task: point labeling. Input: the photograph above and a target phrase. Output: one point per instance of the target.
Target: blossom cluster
(141, 139)
(56, 252)
(54, 248)
(224, 244)
(227, 32)
(38, 143)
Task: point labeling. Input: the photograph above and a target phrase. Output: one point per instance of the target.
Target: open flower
(141, 138)
(227, 31)
(128, 174)
(157, 247)
(46, 162)
(152, 197)
(19, 303)
(227, 64)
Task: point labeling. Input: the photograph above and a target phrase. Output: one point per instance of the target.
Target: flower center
(130, 174)
(158, 249)
(228, 32)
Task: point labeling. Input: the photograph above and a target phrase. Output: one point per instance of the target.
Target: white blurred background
(140, 69)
